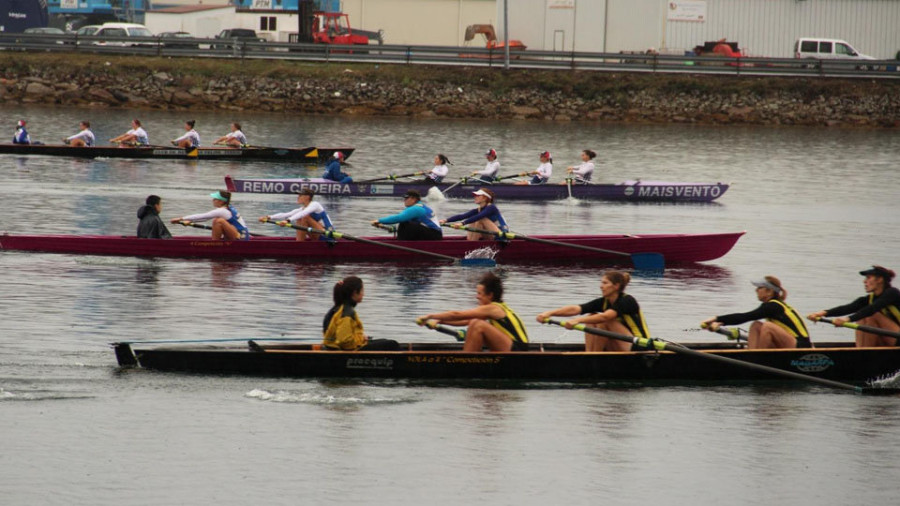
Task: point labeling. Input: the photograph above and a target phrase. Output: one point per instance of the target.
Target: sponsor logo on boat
(812, 362)
(676, 191)
(370, 363)
(286, 187)
(440, 359)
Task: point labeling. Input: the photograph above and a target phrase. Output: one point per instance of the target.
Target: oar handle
(459, 334)
(521, 174)
(733, 334)
(382, 226)
(863, 328)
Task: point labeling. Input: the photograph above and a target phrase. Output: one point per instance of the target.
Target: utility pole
(505, 35)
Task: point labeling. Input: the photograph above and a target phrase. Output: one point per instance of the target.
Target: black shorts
(804, 342)
(519, 346)
(416, 232)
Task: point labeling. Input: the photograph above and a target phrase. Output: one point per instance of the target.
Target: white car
(120, 30)
(827, 49)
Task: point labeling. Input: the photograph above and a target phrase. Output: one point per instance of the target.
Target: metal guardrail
(449, 55)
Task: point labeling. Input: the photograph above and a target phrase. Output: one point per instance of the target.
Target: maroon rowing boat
(674, 247)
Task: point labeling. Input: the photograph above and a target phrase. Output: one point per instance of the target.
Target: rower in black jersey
(783, 328)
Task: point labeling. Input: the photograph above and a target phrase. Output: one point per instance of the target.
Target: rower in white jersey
(542, 174)
(440, 170)
(582, 174)
(233, 139)
(489, 173)
(137, 136)
(191, 139)
(84, 138)
(309, 215)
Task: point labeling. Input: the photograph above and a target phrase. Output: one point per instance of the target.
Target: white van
(827, 49)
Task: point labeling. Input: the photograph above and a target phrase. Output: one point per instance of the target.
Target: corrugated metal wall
(770, 27)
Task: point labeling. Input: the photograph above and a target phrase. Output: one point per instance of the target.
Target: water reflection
(148, 274)
(222, 274)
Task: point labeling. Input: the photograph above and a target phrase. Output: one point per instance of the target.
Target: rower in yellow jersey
(615, 311)
(783, 328)
(492, 324)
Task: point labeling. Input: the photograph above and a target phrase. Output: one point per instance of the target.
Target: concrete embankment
(98, 81)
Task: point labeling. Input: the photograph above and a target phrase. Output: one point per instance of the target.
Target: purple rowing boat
(674, 247)
(628, 191)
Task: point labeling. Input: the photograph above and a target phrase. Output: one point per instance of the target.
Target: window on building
(268, 24)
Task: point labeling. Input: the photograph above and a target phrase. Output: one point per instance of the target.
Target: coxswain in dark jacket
(151, 225)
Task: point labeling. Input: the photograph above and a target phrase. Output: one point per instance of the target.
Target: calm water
(817, 204)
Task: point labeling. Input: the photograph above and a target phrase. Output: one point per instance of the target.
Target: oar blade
(477, 262)
(648, 261)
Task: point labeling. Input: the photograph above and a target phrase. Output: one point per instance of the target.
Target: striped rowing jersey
(510, 324)
(628, 312)
(787, 318)
(888, 304)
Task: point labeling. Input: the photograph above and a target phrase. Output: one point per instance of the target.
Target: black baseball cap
(878, 270)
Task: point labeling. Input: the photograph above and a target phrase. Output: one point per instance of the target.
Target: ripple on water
(318, 398)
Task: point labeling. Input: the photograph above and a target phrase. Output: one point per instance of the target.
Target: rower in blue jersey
(880, 307)
(615, 311)
(137, 136)
(333, 169)
(416, 222)
(227, 223)
(486, 216)
(309, 215)
(783, 328)
(21, 136)
(492, 324)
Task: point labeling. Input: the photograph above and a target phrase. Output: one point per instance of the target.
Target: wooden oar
(459, 334)
(392, 177)
(332, 234)
(864, 328)
(207, 227)
(660, 345)
(641, 261)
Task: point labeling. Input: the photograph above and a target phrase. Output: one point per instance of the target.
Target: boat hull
(548, 362)
(309, 155)
(674, 247)
(628, 191)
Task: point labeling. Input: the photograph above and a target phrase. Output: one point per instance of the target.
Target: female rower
(333, 169)
(542, 174)
(486, 216)
(21, 136)
(583, 172)
(440, 170)
(137, 136)
(491, 324)
(191, 139)
(342, 328)
(416, 222)
(227, 223)
(309, 215)
(489, 173)
(783, 328)
(233, 139)
(84, 138)
(615, 311)
(879, 308)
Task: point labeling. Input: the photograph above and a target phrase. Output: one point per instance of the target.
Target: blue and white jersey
(314, 210)
(21, 136)
(193, 136)
(239, 136)
(86, 135)
(140, 136)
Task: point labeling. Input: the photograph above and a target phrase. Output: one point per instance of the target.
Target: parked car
(121, 30)
(87, 30)
(827, 49)
(235, 35)
(176, 40)
(46, 34)
(47, 30)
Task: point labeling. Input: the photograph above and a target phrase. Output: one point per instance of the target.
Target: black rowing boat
(545, 362)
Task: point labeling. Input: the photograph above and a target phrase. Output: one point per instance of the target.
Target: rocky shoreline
(103, 82)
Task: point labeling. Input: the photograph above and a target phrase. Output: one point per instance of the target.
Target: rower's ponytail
(344, 290)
